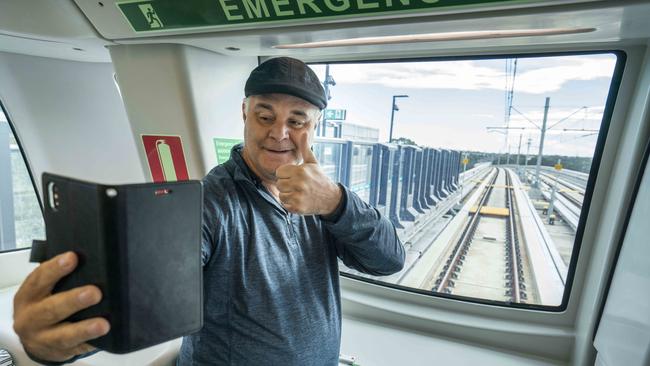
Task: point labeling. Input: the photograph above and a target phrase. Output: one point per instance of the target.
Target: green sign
(157, 15)
(222, 148)
(334, 114)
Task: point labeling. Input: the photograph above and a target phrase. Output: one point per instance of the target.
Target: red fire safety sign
(166, 158)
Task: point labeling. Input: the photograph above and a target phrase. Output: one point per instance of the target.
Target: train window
(485, 166)
(21, 218)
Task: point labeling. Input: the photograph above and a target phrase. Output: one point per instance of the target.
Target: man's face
(274, 125)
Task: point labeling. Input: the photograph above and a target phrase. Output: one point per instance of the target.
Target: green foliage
(404, 141)
(576, 163)
(476, 157)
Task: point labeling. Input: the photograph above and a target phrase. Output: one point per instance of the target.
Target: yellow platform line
(492, 211)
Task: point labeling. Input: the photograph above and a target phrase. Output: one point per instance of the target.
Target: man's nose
(279, 131)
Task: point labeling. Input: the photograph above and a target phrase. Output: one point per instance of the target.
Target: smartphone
(141, 245)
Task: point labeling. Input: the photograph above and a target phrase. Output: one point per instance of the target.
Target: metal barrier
(400, 181)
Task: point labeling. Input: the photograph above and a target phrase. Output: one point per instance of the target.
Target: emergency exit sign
(334, 114)
(161, 15)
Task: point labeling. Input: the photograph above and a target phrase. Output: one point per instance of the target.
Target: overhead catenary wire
(511, 75)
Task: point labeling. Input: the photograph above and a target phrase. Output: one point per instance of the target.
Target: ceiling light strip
(437, 37)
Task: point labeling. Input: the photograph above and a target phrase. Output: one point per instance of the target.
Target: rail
(513, 253)
(443, 283)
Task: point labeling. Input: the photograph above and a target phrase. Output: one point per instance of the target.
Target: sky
(451, 103)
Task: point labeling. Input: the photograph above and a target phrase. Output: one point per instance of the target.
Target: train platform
(547, 265)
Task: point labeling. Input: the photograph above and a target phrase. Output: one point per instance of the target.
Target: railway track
(487, 260)
(572, 193)
(568, 204)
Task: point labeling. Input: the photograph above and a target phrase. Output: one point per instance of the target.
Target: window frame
(27, 167)
(638, 179)
(610, 102)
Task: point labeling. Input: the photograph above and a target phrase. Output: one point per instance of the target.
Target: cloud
(589, 117)
(449, 115)
(548, 79)
(534, 77)
(484, 115)
(466, 75)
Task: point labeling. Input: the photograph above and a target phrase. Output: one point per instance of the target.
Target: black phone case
(141, 245)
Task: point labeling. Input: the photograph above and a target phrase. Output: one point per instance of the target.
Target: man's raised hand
(305, 189)
(39, 315)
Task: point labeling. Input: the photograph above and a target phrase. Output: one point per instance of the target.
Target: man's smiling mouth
(278, 151)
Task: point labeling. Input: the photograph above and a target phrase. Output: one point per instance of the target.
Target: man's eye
(297, 124)
(265, 118)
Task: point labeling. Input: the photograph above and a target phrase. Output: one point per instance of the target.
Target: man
(274, 227)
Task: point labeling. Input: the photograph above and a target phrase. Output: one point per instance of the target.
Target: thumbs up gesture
(305, 189)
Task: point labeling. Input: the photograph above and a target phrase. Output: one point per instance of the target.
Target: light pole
(541, 143)
(543, 129)
(329, 80)
(392, 114)
(526, 160)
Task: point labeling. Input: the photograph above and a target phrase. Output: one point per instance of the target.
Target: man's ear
(243, 111)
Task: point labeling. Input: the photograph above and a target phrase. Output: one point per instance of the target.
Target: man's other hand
(305, 189)
(39, 315)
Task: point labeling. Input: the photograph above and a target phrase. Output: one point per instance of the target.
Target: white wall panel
(217, 86)
(178, 90)
(69, 117)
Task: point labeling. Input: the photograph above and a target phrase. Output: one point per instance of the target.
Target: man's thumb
(305, 150)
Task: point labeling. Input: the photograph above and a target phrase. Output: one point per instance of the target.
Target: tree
(404, 141)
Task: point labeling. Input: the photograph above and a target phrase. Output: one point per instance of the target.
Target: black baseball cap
(286, 75)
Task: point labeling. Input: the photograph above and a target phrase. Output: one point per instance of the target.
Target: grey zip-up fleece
(271, 278)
